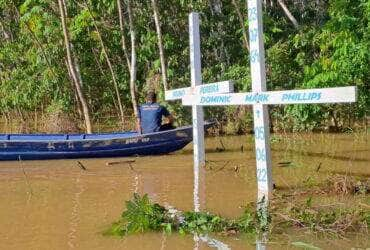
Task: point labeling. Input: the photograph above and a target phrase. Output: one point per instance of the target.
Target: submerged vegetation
(330, 220)
(141, 215)
(286, 211)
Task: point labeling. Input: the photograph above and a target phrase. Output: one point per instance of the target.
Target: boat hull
(40, 147)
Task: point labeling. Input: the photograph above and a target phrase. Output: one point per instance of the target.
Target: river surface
(57, 205)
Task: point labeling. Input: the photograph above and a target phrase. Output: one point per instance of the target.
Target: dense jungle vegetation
(89, 59)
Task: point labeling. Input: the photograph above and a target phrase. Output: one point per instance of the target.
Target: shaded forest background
(71, 65)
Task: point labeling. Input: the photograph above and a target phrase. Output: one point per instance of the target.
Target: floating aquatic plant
(142, 215)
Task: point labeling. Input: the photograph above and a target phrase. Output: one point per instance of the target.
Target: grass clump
(345, 184)
(327, 219)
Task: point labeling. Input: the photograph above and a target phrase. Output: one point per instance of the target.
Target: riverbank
(60, 122)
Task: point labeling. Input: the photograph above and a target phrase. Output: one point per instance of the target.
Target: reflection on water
(56, 205)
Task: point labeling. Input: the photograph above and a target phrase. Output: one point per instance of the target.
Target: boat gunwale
(92, 139)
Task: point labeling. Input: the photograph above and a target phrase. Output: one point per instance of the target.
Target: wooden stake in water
(260, 111)
(197, 111)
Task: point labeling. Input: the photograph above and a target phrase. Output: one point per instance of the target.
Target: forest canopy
(91, 59)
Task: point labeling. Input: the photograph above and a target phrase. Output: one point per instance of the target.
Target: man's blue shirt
(151, 117)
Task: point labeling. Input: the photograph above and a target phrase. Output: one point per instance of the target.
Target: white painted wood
(210, 88)
(304, 96)
(259, 98)
(260, 112)
(197, 111)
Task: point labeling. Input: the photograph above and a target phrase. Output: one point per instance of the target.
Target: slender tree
(288, 14)
(123, 37)
(105, 53)
(133, 62)
(241, 21)
(72, 67)
(160, 43)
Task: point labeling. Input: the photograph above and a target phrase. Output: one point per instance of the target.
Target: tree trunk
(78, 104)
(77, 84)
(160, 44)
(123, 38)
(288, 14)
(114, 78)
(133, 63)
(241, 21)
(78, 72)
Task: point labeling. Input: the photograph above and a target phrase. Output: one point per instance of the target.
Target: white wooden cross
(260, 98)
(199, 89)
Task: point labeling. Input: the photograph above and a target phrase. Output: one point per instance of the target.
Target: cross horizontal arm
(211, 88)
(324, 95)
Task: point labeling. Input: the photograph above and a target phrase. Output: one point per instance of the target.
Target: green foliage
(331, 48)
(202, 222)
(263, 217)
(338, 54)
(141, 215)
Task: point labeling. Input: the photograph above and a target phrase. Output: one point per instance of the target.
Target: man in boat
(151, 114)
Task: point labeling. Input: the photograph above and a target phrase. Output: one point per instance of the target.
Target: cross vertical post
(260, 111)
(198, 117)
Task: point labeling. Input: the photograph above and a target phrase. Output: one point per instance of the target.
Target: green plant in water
(263, 216)
(141, 215)
(202, 222)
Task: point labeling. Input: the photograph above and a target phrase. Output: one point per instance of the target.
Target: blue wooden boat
(63, 146)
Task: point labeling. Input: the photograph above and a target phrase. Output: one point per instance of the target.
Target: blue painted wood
(62, 146)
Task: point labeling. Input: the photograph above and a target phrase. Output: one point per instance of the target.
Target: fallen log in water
(111, 163)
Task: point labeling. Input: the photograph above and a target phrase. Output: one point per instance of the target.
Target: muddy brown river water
(57, 205)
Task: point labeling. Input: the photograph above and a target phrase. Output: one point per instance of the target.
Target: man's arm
(170, 119)
(168, 115)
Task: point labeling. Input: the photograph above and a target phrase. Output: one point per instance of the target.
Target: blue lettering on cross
(209, 89)
(252, 14)
(299, 96)
(260, 154)
(259, 133)
(254, 56)
(178, 93)
(257, 98)
(253, 34)
(215, 99)
(261, 175)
